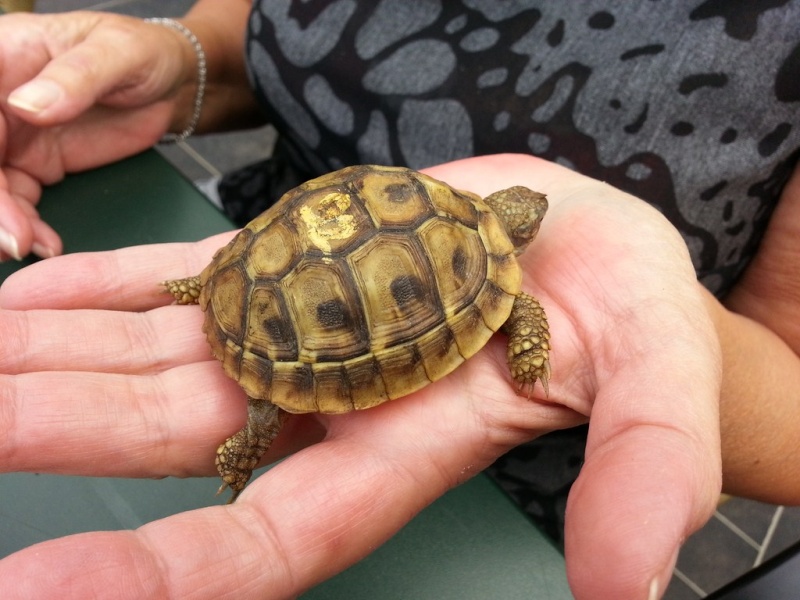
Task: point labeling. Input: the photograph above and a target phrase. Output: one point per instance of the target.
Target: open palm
(102, 368)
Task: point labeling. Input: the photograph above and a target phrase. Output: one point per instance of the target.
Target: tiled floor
(742, 534)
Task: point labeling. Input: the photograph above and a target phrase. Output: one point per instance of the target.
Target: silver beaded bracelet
(171, 138)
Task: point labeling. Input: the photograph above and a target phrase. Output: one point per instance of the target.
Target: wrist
(229, 99)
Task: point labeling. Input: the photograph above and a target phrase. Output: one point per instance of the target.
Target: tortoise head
(521, 210)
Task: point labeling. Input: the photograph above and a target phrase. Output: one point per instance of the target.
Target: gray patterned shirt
(692, 105)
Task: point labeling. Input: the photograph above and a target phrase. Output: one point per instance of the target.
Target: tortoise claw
(526, 388)
(233, 497)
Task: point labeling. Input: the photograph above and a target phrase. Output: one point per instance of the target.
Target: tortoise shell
(358, 287)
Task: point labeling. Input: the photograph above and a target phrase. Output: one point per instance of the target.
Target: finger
(304, 520)
(125, 279)
(115, 426)
(46, 242)
(633, 505)
(102, 341)
(16, 232)
(108, 424)
(21, 229)
(26, 191)
(652, 472)
(126, 425)
(72, 79)
(178, 396)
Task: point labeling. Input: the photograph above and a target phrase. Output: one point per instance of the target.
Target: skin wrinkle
(147, 579)
(692, 441)
(144, 339)
(541, 249)
(613, 346)
(159, 439)
(155, 570)
(16, 342)
(412, 482)
(708, 477)
(251, 521)
(115, 417)
(568, 304)
(307, 546)
(152, 449)
(618, 415)
(418, 475)
(170, 443)
(424, 447)
(116, 286)
(160, 331)
(99, 574)
(335, 538)
(44, 152)
(618, 317)
(9, 414)
(19, 451)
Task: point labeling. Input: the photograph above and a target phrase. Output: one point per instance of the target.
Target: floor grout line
(735, 529)
(773, 525)
(689, 583)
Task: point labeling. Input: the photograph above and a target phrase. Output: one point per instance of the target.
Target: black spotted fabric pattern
(691, 105)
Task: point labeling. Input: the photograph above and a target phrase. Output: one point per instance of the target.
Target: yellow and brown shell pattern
(356, 288)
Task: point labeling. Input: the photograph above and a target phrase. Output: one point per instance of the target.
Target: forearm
(229, 102)
(759, 409)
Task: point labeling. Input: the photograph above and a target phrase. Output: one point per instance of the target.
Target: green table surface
(473, 543)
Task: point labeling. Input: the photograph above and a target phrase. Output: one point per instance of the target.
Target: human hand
(634, 348)
(631, 347)
(77, 90)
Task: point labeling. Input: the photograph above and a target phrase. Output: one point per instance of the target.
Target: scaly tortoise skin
(362, 286)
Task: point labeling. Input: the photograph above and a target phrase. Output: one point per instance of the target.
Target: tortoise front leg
(528, 351)
(185, 291)
(239, 455)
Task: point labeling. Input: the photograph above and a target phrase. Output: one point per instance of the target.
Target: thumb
(628, 514)
(116, 62)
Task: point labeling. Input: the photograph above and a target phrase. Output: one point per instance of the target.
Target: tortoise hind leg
(528, 351)
(240, 453)
(185, 291)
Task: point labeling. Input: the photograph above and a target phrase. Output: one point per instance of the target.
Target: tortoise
(362, 286)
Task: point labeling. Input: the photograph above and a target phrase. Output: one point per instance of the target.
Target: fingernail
(9, 243)
(653, 592)
(36, 96)
(42, 251)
